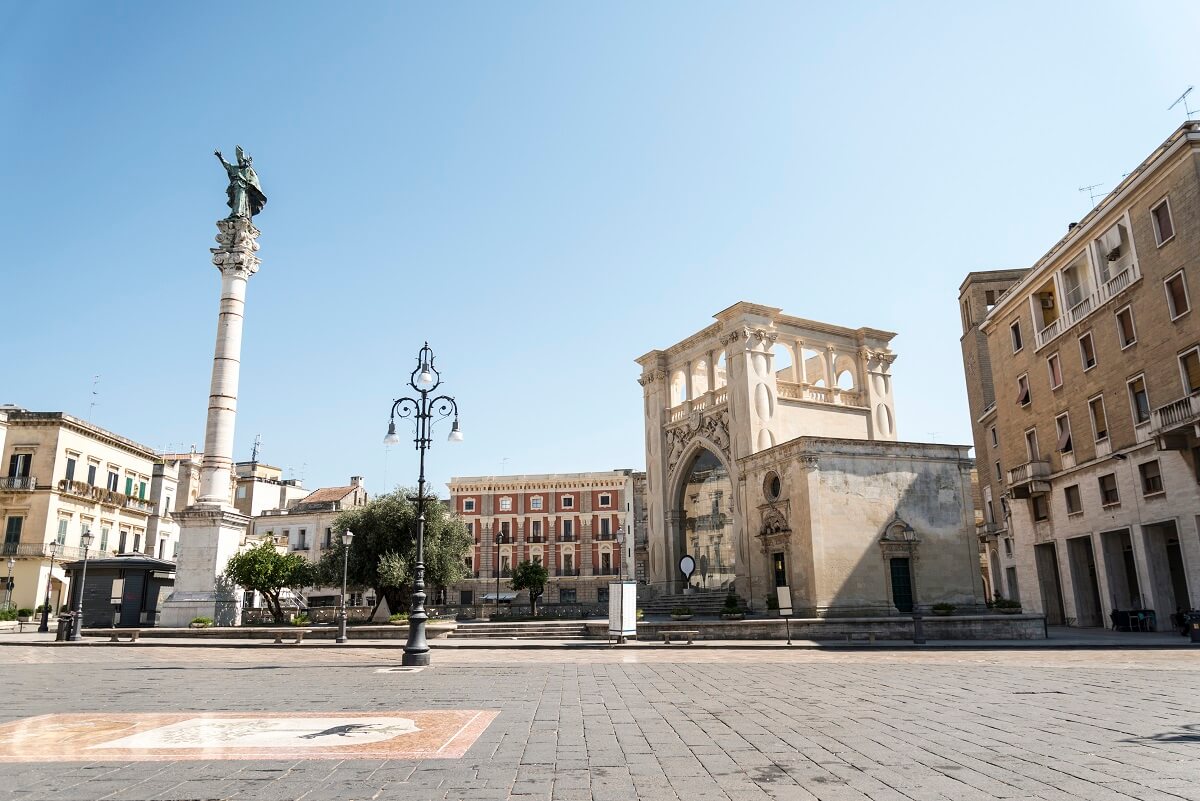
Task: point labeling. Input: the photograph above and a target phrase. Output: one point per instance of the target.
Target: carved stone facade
(734, 475)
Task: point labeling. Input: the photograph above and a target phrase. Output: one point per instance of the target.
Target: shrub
(1005, 603)
(944, 607)
(24, 611)
(8, 614)
(681, 610)
(43, 608)
(300, 620)
(399, 617)
(731, 604)
(202, 621)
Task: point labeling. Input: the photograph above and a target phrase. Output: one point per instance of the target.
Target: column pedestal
(208, 536)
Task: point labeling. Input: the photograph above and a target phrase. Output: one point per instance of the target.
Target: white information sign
(784, 594)
(622, 609)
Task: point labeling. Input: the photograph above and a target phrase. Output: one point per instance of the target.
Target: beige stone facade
(64, 476)
(1085, 402)
(772, 460)
(569, 522)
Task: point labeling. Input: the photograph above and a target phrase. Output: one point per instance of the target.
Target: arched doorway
(705, 507)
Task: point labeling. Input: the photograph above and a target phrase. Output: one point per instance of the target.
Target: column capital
(238, 242)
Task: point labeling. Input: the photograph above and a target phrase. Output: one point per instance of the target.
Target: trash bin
(64, 627)
(1195, 631)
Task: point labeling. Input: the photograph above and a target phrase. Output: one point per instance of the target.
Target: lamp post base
(415, 659)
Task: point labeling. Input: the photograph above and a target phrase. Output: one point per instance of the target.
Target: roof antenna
(95, 394)
(257, 445)
(1183, 99)
(1092, 193)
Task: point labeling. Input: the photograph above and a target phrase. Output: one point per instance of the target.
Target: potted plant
(681, 613)
(731, 610)
(399, 619)
(200, 622)
(943, 609)
(1006, 606)
(24, 614)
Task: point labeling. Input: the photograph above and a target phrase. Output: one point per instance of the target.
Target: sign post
(687, 566)
(784, 594)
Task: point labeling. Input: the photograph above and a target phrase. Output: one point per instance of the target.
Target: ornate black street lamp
(425, 379)
(77, 632)
(347, 538)
(55, 548)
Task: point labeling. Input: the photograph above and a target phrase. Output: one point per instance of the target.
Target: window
(1139, 401)
(1023, 390)
(1008, 546)
(18, 465)
(121, 538)
(505, 529)
(506, 504)
(1062, 424)
(1099, 420)
(70, 469)
(1055, 371)
(1087, 351)
(535, 503)
(537, 558)
(997, 471)
(568, 501)
(128, 485)
(469, 563)
(137, 542)
(568, 530)
(469, 505)
(605, 500)
(328, 537)
(1071, 495)
(1108, 490)
(989, 298)
(1151, 477)
(995, 439)
(1164, 227)
(104, 540)
(113, 479)
(569, 563)
(1126, 333)
(62, 531)
(241, 493)
(536, 529)
(1015, 331)
(12, 530)
(602, 595)
(91, 475)
(142, 490)
(566, 596)
(1189, 369)
(1041, 509)
(605, 527)
(1177, 295)
(471, 528)
(1031, 445)
(175, 550)
(301, 540)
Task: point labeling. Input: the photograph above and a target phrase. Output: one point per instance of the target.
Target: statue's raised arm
(245, 194)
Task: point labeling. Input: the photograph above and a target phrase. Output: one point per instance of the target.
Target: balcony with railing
(567, 571)
(835, 396)
(18, 483)
(41, 550)
(709, 400)
(1031, 478)
(1087, 304)
(604, 571)
(1175, 417)
(986, 529)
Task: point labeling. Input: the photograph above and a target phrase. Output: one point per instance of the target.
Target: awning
(504, 596)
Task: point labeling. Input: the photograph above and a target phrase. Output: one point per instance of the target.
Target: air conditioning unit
(1047, 301)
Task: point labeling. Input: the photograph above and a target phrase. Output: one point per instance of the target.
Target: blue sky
(544, 191)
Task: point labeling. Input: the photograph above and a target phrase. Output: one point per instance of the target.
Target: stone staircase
(703, 603)
(517, 630)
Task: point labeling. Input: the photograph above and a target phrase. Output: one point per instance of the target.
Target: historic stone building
(1083, 376)
(772, 459)
(573, 523)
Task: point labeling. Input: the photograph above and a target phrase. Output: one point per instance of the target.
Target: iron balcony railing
(41, 550)
(573, 571)
(18, 483)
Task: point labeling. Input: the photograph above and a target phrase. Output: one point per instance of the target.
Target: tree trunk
(396, 599)
(273, 605)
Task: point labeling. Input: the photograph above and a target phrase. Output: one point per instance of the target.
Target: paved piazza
(694, 723)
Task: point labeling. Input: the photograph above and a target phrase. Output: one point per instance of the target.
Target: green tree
(383, 554)
(530, 576)
(268, 572)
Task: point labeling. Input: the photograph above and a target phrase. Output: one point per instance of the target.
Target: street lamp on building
(55, 549)
(423, 410)
(347, 538)
(85, 542)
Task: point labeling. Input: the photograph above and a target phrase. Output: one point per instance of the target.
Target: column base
(208, 536)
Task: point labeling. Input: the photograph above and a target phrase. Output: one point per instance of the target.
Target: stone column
(212, 530)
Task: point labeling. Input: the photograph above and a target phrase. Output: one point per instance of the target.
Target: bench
(667, 635)
(114, 635)
(298, 634)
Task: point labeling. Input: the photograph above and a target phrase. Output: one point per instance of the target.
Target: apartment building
(259, 487)
(1083, 378)
(569, 522)
(64, 477)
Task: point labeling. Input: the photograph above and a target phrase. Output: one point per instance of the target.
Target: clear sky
(544, 191)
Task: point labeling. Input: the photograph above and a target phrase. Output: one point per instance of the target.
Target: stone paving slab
(695, 724)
